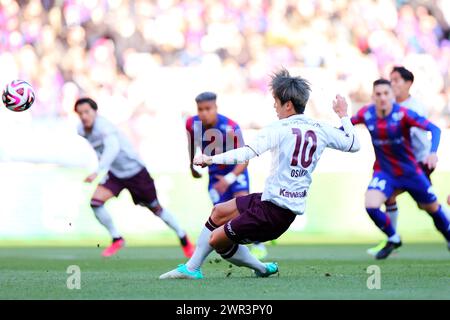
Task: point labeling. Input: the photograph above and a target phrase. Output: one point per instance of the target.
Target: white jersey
(296, 144)
(420, 142)
(114, 151)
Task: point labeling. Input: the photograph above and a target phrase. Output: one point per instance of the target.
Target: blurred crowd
(139, 58)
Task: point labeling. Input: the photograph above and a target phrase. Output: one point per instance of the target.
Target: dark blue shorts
(417, 185)
(241, 184)
(258, 221)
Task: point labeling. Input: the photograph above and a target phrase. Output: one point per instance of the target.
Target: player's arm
(236, 156)
(413, 119)
(111, 148)
(192, 145)
(358, 118)
(238, 143)
(345, 139)
(266, 140)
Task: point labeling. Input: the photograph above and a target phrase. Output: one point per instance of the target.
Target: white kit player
(296, 143)
(124, 170)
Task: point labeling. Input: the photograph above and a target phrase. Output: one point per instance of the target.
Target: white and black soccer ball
(18, 95)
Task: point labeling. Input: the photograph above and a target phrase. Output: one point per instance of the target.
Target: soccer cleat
(182, 272)
(259, 251)
(114, 247)
(271, 268)
(374, 250)
(187, 246)
(387, 249)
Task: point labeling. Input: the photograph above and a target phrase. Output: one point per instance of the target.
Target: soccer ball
(18, 95)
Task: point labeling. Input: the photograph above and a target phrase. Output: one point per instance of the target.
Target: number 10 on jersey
(309, 138)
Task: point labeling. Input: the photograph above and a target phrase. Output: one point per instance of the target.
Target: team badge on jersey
(398, 116)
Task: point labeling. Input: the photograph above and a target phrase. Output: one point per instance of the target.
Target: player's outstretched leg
(374, 199)
(392, 212)
(382, 221)
(440, 220)
(105, 219)
(240, 255)
(192, 268)
(172, 222)
(220, 214)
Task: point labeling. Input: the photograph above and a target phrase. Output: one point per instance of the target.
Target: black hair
(404, 73)
(206, 96)
(87, 100)
(287, 88)
(380, 82)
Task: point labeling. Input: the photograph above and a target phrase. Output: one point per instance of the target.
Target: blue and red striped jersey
(225, 129)
(391, 138)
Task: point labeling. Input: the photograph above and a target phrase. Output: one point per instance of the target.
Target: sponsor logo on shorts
(293, 194)
(230, 230)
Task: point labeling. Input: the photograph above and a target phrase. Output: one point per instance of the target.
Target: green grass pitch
(308, 271)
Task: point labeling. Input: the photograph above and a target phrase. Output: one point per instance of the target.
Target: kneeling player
(296, 143)
(125, 171)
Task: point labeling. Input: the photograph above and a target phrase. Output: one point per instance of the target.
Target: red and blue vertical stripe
(391, 138)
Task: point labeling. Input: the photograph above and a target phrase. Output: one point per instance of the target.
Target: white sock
(202, 250)
(446, 212)
(243, 258)
(395, 238)
(105, 219)
(172, 222)
(392, 212)
(259, 245)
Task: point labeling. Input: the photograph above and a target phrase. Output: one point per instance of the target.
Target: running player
(296, 143)
(401, 82)
(213, 131)
(395, 167)
(124, 171)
